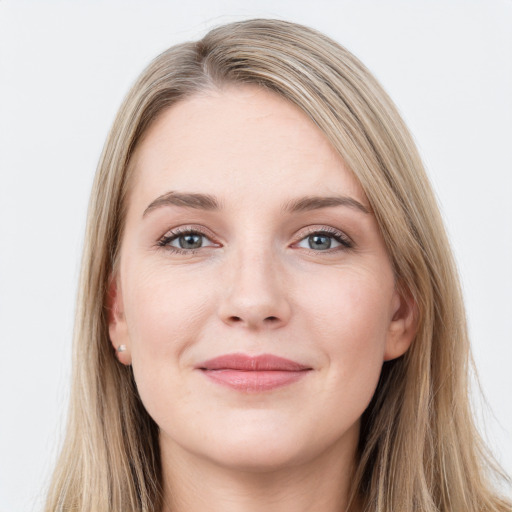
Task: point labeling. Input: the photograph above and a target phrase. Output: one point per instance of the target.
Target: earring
(121, 348)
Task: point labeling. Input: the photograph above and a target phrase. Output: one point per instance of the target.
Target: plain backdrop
(64, 69)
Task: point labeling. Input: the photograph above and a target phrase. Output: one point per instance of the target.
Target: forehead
(239, 142)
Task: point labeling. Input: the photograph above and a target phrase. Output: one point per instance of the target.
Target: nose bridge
(255, 294)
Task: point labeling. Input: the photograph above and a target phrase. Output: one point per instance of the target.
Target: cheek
(351, 318)
(163, 310)
(341, 319)
(165, 317)
(351, 308)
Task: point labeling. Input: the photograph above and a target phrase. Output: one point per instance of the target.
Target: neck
(193, 483)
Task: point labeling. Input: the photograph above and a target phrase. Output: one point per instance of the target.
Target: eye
(185, 240)
(325, 240)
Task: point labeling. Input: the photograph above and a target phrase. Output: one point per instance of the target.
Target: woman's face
(254, 293)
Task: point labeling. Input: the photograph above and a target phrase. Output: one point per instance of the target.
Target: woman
(270, 316)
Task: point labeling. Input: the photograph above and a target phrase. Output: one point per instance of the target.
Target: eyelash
(170, 236)
(339, 236)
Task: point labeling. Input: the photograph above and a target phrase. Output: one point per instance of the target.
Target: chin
(265, 447)
(261, 456)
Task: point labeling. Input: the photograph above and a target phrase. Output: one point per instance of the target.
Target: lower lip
(255, 381)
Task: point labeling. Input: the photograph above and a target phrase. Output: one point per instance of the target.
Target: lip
(253, 373)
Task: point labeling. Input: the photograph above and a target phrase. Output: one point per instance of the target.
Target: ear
(403, 326)
(117, 328)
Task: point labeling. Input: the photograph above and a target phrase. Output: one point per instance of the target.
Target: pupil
(190, 241)
(319, 242)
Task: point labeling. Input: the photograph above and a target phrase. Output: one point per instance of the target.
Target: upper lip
(243, 362)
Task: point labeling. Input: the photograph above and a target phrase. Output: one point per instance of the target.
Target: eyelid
(173, 233)
(345, 241)
(188, 228)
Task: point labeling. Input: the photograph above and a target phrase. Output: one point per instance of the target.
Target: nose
(255, 294)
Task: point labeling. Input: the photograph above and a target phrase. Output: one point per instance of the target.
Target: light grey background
(64, 68)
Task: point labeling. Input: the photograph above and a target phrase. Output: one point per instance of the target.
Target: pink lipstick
(253, 373)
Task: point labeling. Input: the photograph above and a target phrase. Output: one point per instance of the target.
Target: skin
(255, 286)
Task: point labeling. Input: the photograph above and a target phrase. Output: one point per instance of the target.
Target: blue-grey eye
(190, 241)
(319, 242)
(186, 241)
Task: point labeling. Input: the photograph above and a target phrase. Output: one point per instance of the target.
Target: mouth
(253, 373)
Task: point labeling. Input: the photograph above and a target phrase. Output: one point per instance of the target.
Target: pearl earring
(121, 348)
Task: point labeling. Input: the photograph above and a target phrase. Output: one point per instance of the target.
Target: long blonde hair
(419, 449)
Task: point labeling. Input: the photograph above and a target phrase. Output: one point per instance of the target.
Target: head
(403, 430)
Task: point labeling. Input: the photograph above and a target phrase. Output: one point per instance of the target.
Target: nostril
(253, 321)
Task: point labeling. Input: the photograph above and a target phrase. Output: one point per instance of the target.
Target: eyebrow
(210, 203)
(187, 200)
(317, 202)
